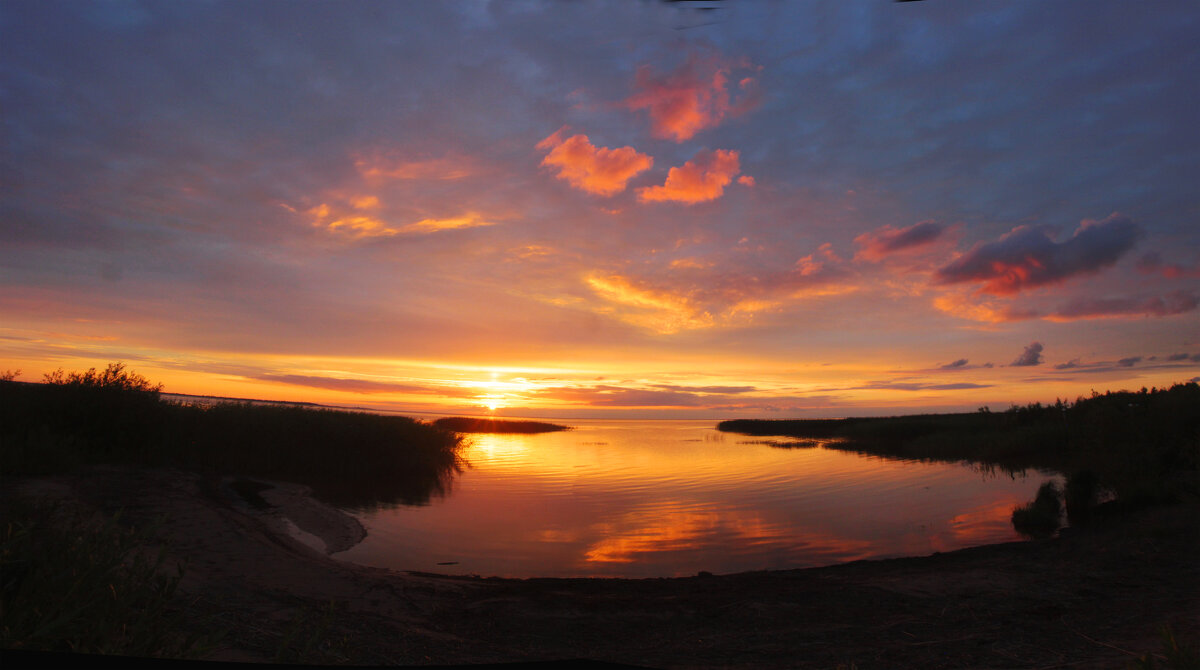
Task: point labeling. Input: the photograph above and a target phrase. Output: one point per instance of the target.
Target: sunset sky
(634, 209)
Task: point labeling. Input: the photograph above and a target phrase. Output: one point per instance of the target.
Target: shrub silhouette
(1041, 517)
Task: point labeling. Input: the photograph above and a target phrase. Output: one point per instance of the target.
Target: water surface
(672, 498)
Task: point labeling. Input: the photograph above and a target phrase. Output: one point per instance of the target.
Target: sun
(492, 401)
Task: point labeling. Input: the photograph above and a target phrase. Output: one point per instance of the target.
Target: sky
(597, 209)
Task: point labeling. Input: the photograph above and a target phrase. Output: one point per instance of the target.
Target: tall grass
(350, 459)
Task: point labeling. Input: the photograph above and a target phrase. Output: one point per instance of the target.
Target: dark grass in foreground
(87, 585)
(69, 583)
(349, 459)
(462, 424)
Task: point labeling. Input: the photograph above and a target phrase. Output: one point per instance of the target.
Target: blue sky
(636, 209)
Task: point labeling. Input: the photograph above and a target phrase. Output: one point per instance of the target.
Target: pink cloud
(1176, 302)
(701, 179)
(600, 171)
(692, 98)
(1152, 263)
(1075, 309)
(1027, 258)
(882, 242)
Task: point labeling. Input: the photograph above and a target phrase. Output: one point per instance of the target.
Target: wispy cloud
(1176, 302)
(358, 225)
(918, 386)
(882, 242)
(1152, 263)
(365, 386)
(446, 168)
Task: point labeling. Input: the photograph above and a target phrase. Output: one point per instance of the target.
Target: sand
(259, 569)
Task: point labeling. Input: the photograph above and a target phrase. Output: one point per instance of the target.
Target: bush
(1041, 517)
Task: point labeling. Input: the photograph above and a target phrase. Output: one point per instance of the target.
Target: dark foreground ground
(1096, 598)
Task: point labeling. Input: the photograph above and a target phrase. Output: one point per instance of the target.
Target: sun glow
(497, 394)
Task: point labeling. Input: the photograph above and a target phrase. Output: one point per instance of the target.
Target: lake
(673, 498)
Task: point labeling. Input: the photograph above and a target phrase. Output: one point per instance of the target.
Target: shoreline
(1097, 597)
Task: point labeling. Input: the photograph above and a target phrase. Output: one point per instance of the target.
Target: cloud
(692, 294)
(701, 179)
(603, 395)
(340, 384)
(1195, 358)
(357, 225)
(1030, 357)
(661, 311)
(694, 97)
(1176, 302)
(956, 364)
(469, 220)
(600, 171)
(449, 168)
(919, 386)
(1152, 263)
(1026, 257)
(726, 390)
(887, 240)
(1129, 362)
(983, 311)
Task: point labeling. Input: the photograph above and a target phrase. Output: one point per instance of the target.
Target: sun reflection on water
(646, 499)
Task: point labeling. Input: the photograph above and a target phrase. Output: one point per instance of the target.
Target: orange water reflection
(672, 498)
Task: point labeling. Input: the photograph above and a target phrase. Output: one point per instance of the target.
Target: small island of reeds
(463, 424)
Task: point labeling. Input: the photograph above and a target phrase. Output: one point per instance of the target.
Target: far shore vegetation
(462, 424)
(1117, 450)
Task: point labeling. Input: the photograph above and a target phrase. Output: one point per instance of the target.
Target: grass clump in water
(1041, 517)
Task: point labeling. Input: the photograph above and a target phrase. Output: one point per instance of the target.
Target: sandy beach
(257, 565)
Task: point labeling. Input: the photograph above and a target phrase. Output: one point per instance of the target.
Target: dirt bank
(255, 565)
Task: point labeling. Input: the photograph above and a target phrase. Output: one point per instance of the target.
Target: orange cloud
(690, 99)
(442, 169)
(746, 180)
(663, 312)
(469, 220)
(983, 311)
(701, 179)
(600, 171)
(357, 226)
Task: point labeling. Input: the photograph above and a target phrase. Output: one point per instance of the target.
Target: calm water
(671, 498)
